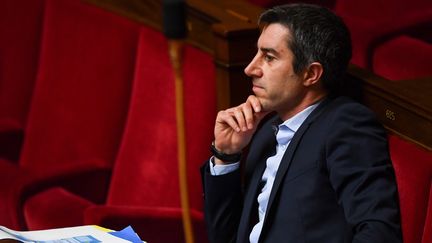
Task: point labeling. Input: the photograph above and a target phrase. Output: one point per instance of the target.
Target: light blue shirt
(284, 134)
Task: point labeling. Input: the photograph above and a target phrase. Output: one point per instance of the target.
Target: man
(319, 169)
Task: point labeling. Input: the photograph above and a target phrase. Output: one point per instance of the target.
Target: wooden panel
(404, 107)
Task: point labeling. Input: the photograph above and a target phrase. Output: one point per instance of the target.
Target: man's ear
(312, 74)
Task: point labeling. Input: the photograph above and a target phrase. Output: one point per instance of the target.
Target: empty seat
(144, 190)
(78, 109)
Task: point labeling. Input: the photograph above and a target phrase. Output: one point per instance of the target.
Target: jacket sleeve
(222, 203)
(362, 175)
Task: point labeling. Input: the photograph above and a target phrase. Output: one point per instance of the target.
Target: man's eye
(268, 58)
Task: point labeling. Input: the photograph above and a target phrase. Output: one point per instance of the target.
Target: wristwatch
(229, 158)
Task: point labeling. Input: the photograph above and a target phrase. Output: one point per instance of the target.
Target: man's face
(275, 84)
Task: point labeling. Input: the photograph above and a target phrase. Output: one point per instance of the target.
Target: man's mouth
(256, 87)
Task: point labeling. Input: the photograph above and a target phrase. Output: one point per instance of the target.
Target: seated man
(318, 169)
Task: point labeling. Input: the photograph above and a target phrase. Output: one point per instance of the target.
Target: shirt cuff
(222, 169)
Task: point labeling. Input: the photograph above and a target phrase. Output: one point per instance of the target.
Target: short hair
(317, 35)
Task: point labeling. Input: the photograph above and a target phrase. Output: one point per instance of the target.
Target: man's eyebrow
(269, 50)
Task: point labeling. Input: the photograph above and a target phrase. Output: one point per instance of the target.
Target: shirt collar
(295, 122)
(286, 130)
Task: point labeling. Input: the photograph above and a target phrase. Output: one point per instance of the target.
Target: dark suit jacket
(335, 184)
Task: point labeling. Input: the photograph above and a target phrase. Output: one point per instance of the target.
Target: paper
(128, 234)
(78, 234)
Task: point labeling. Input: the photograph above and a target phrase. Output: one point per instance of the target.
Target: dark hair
(317, 35)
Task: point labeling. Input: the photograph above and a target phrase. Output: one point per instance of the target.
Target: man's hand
(235, 126)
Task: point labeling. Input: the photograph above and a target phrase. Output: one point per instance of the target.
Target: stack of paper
(78, 234)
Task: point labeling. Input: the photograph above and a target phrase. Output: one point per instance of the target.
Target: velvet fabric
(402, 58)
(413, 168)
(59, 209)
(373, 22)
(20, 28)
(79, 106)
(144, 190)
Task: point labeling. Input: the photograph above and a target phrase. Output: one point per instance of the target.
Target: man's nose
(253, 69)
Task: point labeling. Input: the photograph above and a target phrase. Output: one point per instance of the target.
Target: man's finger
(248, 113)
(227, 117)
(255, 103)
(239, 116)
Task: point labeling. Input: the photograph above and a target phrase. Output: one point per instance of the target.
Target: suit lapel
(259, 152)
(289, 153)
(285, 163)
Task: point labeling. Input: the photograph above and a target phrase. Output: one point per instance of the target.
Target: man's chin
(264, 105)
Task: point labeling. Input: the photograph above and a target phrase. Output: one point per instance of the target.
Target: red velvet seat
(403, 57)
(20, 28)
(144, 190)
(79, 106)
(374, 21)
(413, 167)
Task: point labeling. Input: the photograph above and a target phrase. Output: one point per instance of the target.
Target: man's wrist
(221, 156)
(217, 169)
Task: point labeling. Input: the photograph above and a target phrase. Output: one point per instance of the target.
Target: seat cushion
(54, 208)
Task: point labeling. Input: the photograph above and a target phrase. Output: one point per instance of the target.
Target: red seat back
(20, 27)
(413, 167)
(83, 86)
(372, 22)
(147, 162)
(403, 57)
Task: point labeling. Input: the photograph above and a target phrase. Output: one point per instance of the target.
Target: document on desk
(78, 234)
